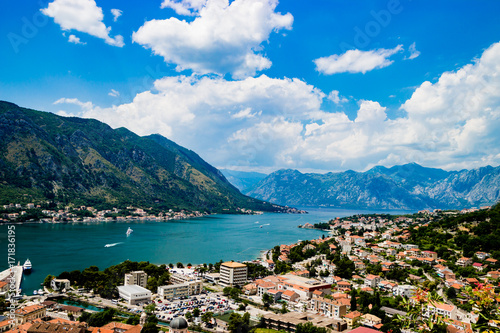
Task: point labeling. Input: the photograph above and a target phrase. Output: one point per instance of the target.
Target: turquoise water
(81, 305)
(54, 248)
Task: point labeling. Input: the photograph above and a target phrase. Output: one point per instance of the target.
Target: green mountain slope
(83, 161)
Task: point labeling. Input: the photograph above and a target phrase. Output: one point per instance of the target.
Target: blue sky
(260, 85)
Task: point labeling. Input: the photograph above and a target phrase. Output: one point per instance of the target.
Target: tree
(354, 306)
(483, 298)
(283, 308)
(134, 320)
(196, 312)
(239, 324)
(451, 293)
(180, 265)
(226, 291)
(48, 280)
(149, 328)
(150, 308)
(189, 316)
(235, 293)
(267, 299)
(309, 328)
(101, 318)
(207, 317)
(415, 320)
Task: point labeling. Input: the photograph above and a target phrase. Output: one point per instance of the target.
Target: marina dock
(18, 276)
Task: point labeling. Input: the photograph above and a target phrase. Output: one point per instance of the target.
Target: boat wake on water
(112, 244)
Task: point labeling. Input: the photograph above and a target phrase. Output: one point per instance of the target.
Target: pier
(16, 272)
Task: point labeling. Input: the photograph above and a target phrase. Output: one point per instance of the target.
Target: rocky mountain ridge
(409, 186)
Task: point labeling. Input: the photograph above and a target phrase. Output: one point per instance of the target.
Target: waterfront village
(50, 213)
(365, 275)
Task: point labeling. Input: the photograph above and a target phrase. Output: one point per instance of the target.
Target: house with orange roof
(285, 248)
(464, 262)
(471, 281)
(352, 318)
(29, 313)
(46, 327)
(66, 321)
(290, 296)
(491, 261)
(367, 290)
(370, 320)
(263, 287)
(430, 254)
(275, 293)
(23, 328)
(457, 326)
(250, 289)
(443, 309)
(5, 325)
(284, 258)
(372, 280)
(446, 274)
(4, 287)
(493, 274)
(339, 295)
(101, 330)
(269, 264)
(343, 286)
(328, 307)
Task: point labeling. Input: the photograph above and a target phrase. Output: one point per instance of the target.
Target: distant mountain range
(243, 180)
(409, 186)
(85, 162)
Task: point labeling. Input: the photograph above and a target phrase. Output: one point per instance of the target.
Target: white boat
(35, 292)
(129, 231)
(41, 292)
(27, 266)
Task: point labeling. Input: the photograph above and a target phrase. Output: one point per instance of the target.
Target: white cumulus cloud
(223, 38)
(75, 40)
(81, 15)
(116, 14)
(184, 7)
(413, 51)
(264, 123)
(356, 61)
(335, 97)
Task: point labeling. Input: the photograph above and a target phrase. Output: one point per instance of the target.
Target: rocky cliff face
(83, 161)
(408, 186)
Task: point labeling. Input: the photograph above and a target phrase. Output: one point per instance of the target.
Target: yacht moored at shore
(27, 267)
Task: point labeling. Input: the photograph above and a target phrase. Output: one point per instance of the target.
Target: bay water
(54, 248)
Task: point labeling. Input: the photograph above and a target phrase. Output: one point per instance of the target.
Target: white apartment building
(139, 278)
(184, 289)
(404, 290)
(233, 274)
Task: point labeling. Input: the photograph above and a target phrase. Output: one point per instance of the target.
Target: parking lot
(168, 310)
